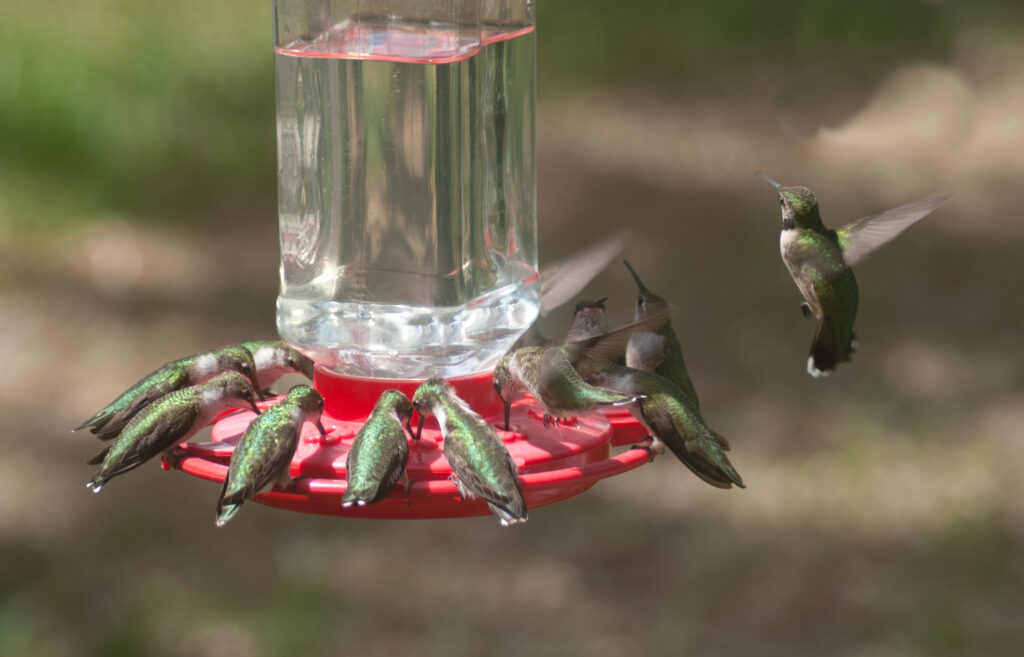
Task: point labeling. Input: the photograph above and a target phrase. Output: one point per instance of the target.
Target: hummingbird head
(587, 320)
(506, 385)
(429, 394)
(397, 401)
(646, 301)
(232, 386)
(427, 397)
(799, 207)
(310, 403)
(238, 359)
(799, 204)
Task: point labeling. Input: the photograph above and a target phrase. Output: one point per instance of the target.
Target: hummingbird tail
(96, 483)
(831, 345)
(514, 514)
(226, 513)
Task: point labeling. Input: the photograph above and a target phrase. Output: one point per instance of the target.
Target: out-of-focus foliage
(143, 109)
(679, 44)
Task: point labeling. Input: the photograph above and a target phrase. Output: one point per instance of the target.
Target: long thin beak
(408, 427)
(508, 408)
(768, 179)
(256, 387)
(255, 408)
(639, 283)
(419, 427)
(320, 426)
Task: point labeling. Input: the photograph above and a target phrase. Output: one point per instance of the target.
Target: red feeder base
(555, 463)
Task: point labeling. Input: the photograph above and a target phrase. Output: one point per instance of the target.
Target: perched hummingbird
(274, 359)
(819, 260)
(172, 376)
(548, 374)
(657, 351)
(379, 451)
(672, 418)
(172, 419)
(264, 452)
(483, 467)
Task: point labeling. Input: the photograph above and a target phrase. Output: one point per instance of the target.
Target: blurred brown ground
(884, 513)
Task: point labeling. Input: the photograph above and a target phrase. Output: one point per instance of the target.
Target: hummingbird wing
(484, 468)
(155, 429)
(108, 422)
(862, 237)
(256, 463)
(564, 279)
(611, 345)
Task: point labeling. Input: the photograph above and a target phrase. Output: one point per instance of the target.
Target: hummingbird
(175, 375)
(379, 451)
(819, 260)
(264, 452)
(657, 351)
(673, 419)
(274, 359)
(480, 462)
(172, 419)
(548, 374)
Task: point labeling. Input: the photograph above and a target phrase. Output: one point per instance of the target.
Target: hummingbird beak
(419, 427)
(320, 426)
(508, 408)
(408, 427)
(257, 388)
(255, 408)
(639, 283)
(768, 179)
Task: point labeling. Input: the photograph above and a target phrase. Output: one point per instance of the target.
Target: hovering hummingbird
(172, 419)
(264, 452)
(672, 418)
(175, 375)
(819, 260)
(657, 351)
(379, 451)
(274, 359)
(547, 373)
(482, 465)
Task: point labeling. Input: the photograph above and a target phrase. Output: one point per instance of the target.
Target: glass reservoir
(406, 183)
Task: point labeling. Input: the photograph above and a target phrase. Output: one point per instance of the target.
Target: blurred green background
(884, 513)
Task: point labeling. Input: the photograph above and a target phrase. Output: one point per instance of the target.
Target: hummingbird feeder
(406, 191)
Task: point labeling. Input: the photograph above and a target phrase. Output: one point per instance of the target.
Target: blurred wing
(611, 345)
(563, 280)
(862, 237)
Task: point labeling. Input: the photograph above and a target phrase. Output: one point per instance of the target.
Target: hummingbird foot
(647, 446)
(172, 460)
(407, 485)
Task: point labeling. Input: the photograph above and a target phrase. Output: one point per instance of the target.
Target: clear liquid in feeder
(406, 188)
